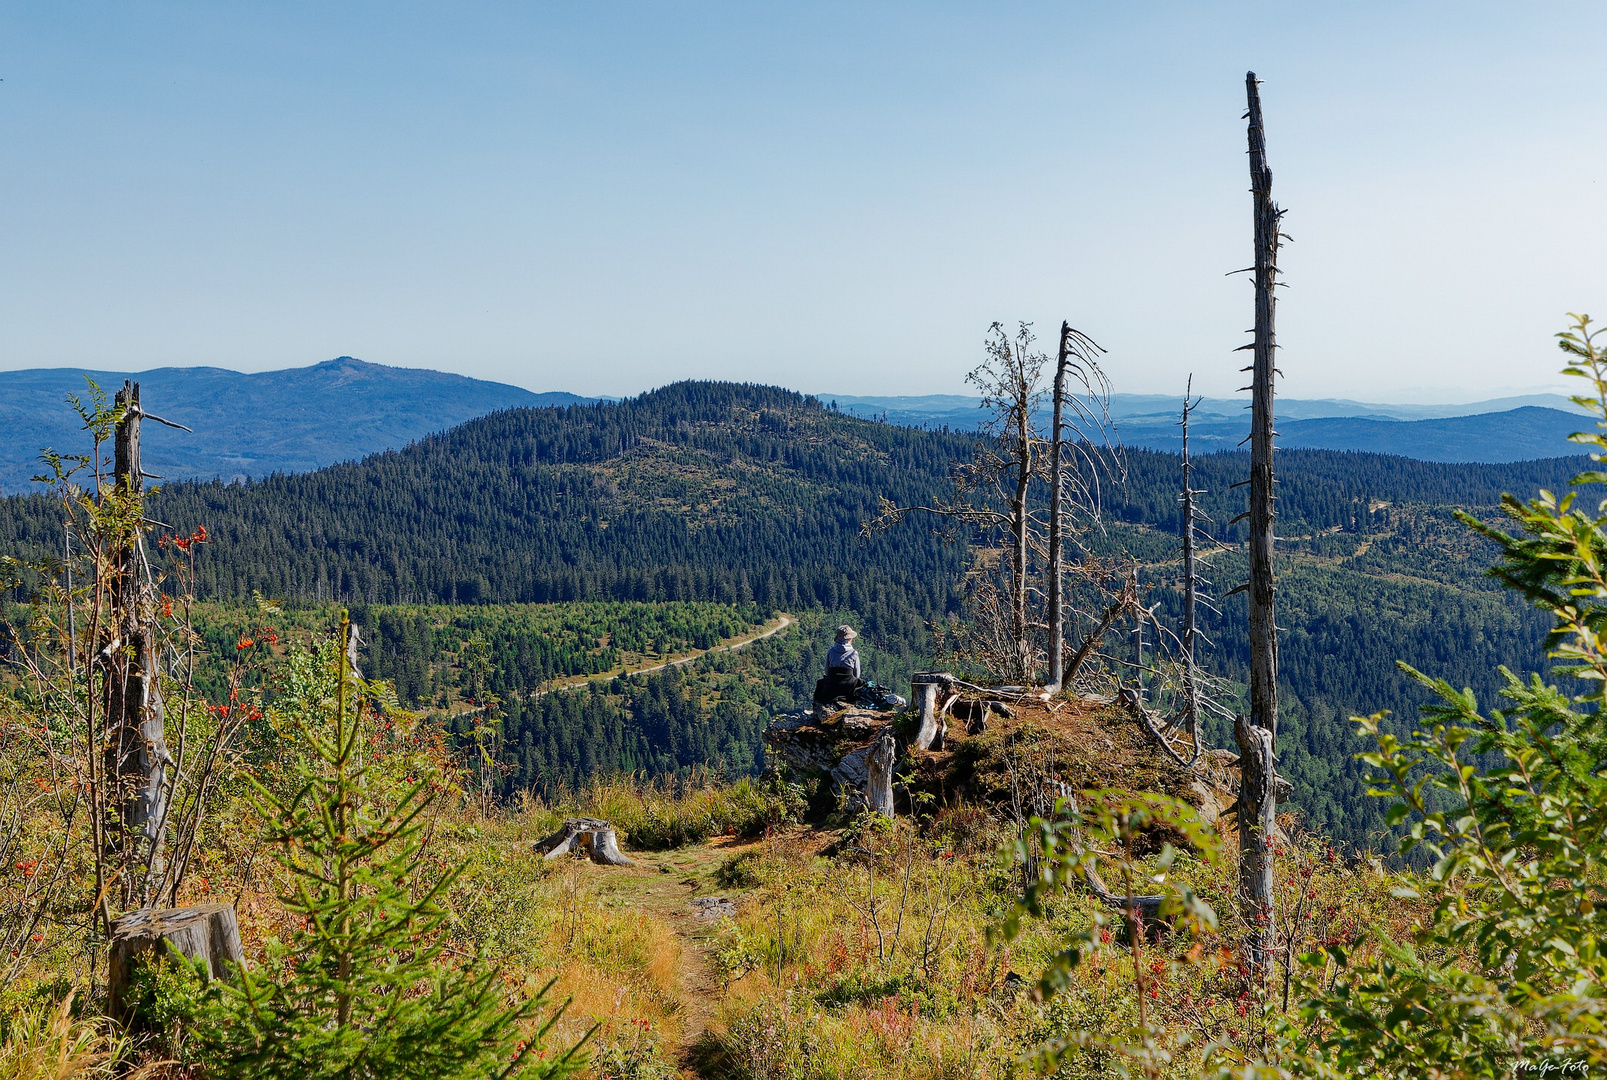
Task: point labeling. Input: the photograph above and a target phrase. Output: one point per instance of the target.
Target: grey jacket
(842, 655)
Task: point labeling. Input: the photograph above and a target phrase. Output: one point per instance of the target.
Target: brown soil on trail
(734, 644)
(663, 884)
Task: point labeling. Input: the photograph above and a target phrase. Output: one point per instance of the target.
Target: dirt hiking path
(679, 888)
(664, 884)
(771, 629)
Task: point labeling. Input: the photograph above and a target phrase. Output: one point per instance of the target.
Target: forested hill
(739, 494)
(1329, 489)
(697, 491)
(694, 491)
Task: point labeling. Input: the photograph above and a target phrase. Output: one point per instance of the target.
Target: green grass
(670, 813)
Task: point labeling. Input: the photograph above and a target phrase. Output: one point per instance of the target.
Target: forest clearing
(648, 665)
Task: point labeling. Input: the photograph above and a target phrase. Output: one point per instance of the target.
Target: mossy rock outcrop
(1040, 748)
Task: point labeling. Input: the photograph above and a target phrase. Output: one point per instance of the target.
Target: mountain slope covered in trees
(755, 496)
(1522, 428)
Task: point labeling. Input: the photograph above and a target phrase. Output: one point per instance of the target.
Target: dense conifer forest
(753, 497)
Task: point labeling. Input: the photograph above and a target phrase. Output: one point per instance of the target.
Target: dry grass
(675, 811)
(51, 1043)
(873, 961)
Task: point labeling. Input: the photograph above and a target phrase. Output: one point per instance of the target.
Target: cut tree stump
(879, 775)
(205, 932)
(591, 835)
(1145, 906)
(926, 694)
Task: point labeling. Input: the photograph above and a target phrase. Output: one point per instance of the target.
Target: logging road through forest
(574, 681)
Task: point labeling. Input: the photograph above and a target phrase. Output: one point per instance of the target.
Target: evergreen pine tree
(369, 992)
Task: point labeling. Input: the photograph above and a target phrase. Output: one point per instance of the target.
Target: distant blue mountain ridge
(301, 419)
(250, 425)
(1502, 429)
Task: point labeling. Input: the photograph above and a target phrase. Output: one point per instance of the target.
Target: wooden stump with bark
(205, 932)
(879, 774)
(938, 694)
(594, 837)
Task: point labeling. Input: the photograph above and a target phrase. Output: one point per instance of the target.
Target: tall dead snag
(1077, 358)
(1057, 541)
(1017, 397)
(994, 501)
(1191, 518)
(992, 495)
(1135, 636)
(1177, 728)
(1256, 738)
(136, 754)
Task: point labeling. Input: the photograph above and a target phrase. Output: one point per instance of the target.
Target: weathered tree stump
(925, 690)
(879, 774)
(1257, 812)
(593, 836)
(976, 712)
(205, 932)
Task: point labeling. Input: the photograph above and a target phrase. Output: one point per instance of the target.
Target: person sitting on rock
(842, 658)
(843, 681)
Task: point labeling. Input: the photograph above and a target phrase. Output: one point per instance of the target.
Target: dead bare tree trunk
(993, 493)
(1057, 509)
(1257, 819)
(1020, 526)
(1191, 586)
(1077, 357)
(1171, 729)
(1106, 620)
(1257, 738)
(136, 750)
(879, 775)
(1137, 636)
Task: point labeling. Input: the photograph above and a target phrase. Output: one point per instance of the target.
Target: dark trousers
(840, 684)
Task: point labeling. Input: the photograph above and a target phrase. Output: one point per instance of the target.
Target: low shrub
(739, 872)
(859, 988)
(631, 1056)
(772, 1042)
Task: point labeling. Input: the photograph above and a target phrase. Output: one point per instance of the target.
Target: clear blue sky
(603, 197)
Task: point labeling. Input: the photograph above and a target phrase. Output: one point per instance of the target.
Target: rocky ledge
(1080, 744)
(831, 743)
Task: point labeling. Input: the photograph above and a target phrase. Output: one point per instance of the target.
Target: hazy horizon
(600, 200)
(1429, 397)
